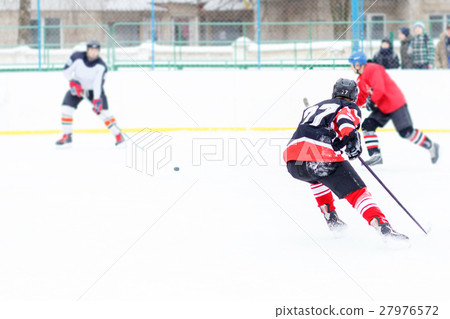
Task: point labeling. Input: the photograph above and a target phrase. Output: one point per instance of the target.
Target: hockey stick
(306, 102)
(86, 97)
(390, 193)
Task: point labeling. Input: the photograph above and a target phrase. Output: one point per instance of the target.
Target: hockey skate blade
(64, 146)
(339, 232)
(396, 243)
(121, 146)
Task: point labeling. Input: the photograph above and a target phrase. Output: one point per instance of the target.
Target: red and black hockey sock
(323, 196)
(417, 137)
(363, 202)
(371, 141)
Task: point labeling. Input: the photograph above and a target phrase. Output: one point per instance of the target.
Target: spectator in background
(386, 56)
(405, 40)
(442, 59)
(421, 48)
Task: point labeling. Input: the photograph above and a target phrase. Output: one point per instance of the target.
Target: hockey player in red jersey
(385, 101)
(314, 155)
(85, 72)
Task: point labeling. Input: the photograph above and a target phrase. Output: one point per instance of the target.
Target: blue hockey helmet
(358, 57)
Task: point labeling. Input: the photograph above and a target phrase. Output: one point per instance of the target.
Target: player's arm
(69, 67)
(347, 122)
(362, 95)
(377, 85)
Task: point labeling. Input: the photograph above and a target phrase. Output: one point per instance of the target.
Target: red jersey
(384, 92)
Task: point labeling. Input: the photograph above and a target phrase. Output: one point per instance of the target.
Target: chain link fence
(225, 33)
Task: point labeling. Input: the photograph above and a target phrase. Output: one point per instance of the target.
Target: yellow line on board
(193, 129)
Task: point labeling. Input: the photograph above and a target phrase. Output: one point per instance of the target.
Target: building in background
(210, 22)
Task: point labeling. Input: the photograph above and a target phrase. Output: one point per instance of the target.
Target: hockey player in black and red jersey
(85, 72)
(314, 155)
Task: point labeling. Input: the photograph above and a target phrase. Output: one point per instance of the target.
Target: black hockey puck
(176, 168)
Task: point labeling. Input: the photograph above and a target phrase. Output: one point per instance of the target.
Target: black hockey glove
(352, 143)
(353, 148)
(370, 105)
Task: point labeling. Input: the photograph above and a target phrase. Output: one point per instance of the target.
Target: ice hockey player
(314, 155)
(383, 98)
(85, 72)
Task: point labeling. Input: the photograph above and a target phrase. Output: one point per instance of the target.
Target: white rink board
(206, 98)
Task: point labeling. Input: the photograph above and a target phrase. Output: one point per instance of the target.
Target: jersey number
(318, 112)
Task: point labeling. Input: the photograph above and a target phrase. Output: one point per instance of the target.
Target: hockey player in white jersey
(85, 72)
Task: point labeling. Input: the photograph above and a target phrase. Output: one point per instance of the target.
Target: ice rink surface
(231, 225)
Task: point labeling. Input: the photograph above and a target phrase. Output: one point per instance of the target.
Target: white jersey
(90, 74)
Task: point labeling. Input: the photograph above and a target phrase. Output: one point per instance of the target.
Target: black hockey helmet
(346, 88)
(94, 44)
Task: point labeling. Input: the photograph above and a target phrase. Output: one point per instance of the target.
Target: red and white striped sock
(363, 202)
(323, 195)
(417, 137)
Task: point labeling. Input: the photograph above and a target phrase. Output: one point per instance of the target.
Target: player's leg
(311, 172)
(325, 202)
(346, 183)
(69, 105)
(322, 194)
(110, 121)
(369, 126)
(404, 126)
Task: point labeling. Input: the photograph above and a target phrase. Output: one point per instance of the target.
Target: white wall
(212, 98)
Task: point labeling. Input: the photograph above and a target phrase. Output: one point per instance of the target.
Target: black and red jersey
(321, 124)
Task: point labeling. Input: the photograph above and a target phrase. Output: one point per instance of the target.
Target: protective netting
(210, 31)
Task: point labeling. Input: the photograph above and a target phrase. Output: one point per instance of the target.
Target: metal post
(258, 30)
(153, 34)
(355, 26)
(361, 23)
(39, 34)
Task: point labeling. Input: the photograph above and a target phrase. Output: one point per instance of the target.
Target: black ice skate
(65, 140)
(434, 152)
(375, 159)
(385, 230)
(332, 219)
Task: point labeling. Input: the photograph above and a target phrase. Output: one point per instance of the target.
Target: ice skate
(65, 140)
(375, 159)
(434, 152)
(119, 139)
(385, 230)
(332, 219)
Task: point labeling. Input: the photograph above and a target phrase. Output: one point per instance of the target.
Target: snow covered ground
(231, 230)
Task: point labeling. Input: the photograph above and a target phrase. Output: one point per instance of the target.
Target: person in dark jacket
(442, 57)
(405, 38)
(386, 56)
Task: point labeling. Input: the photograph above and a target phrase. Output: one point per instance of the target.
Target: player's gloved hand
(75, 88)
(352, 144)
(353, 148)
(370, 105)
(98, 105)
